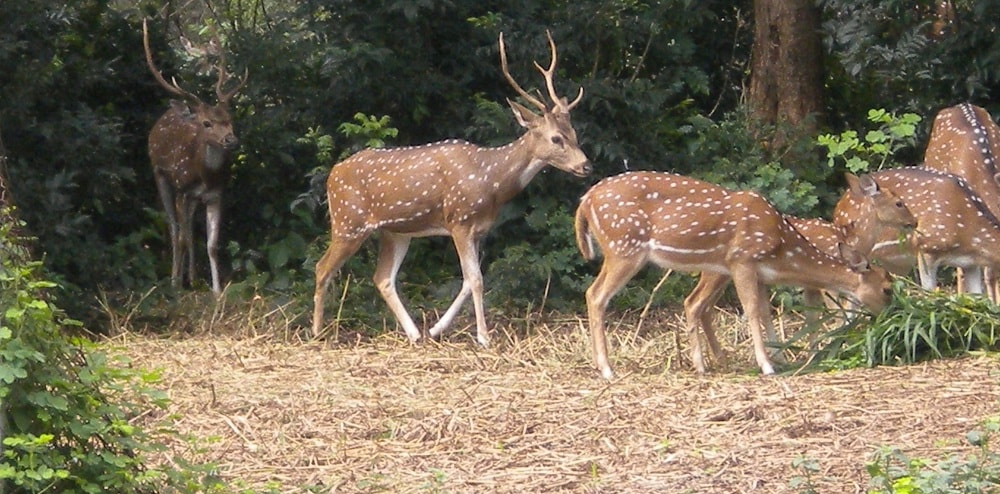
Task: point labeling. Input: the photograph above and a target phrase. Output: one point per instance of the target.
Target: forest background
(735, 92)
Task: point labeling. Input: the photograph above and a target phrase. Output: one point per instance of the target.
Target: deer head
(449, 188)
(189, 149)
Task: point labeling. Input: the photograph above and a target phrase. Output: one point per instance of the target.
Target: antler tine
(517, 87)
(550, 73)
(227, 96)
(220, 66)
(173, 88)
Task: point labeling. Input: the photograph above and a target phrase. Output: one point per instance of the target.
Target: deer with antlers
(451, 188)
(965, 141)
(681, 223)
(954, 226)
(190, 148)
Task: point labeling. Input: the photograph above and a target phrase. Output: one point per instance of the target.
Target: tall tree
(786, 75)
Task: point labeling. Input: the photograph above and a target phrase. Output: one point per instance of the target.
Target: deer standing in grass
(681, 223)
(965, 141)
(883, 213)
(451, 188)
(190, 148)
(954, 226)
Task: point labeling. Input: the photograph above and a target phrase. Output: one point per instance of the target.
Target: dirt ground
(530, 415)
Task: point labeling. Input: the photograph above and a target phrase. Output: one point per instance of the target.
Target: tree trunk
(786, 74)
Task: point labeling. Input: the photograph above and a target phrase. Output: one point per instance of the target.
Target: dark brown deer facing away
(954, 226)
(189, 148)
(966, 142)
(681, 223)
(448, 188)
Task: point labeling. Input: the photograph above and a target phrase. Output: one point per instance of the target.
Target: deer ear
(864, 185)
(182, 108)
(525, 117)
(855, 261)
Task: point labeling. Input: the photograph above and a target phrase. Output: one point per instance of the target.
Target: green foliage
(894, 472)
(804, 481)
(879, 147)
(67, 406)
(369, 129)
(917, 325)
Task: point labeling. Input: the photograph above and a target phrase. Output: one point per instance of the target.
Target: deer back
(965, 141)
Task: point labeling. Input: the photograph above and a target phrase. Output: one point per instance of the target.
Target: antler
(517, 87)
(548, 74)
(224, 97)
(559, 102)
(173, 87)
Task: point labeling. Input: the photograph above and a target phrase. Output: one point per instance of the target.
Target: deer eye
(207, 124)
(557, 140)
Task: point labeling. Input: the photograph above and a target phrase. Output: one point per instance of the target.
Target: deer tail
(584, 240)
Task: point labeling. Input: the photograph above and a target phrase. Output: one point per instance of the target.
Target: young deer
(883, 213)
(447, 188)
(954, 226)
(685, 224)
(966, 142)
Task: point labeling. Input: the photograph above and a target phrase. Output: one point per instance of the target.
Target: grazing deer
(449, 188)
(954, 226)
(966, 142)
(681, 223)
(883, 213)
(190, 148)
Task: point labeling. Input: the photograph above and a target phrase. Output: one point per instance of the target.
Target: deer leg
(467, 246)
(615, 273)
(456, 305)
(184, 249)
(170, 208)
(336, 254)
(392, 250)
(991, 281)
(697, 311)
(752, 296)
(927, 271)
(973, 281)
(213, 216)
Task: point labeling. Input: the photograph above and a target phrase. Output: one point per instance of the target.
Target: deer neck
(214, 157)
(510, 168)
(800, 263)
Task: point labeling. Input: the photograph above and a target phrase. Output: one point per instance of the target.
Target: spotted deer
(685, 224)
(451, 188)
(883, 214)
(954, 226)
(190, 147)
(965, 141)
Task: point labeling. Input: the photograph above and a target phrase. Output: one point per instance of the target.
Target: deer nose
(585, 169)
(230, 141)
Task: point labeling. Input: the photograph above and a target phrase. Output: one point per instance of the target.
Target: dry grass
(530, 415)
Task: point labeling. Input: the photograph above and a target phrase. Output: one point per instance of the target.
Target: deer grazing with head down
(965, 141)
(685, 224)
(190, 148)
(954, 226)
(451, 188)
(883, 214)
